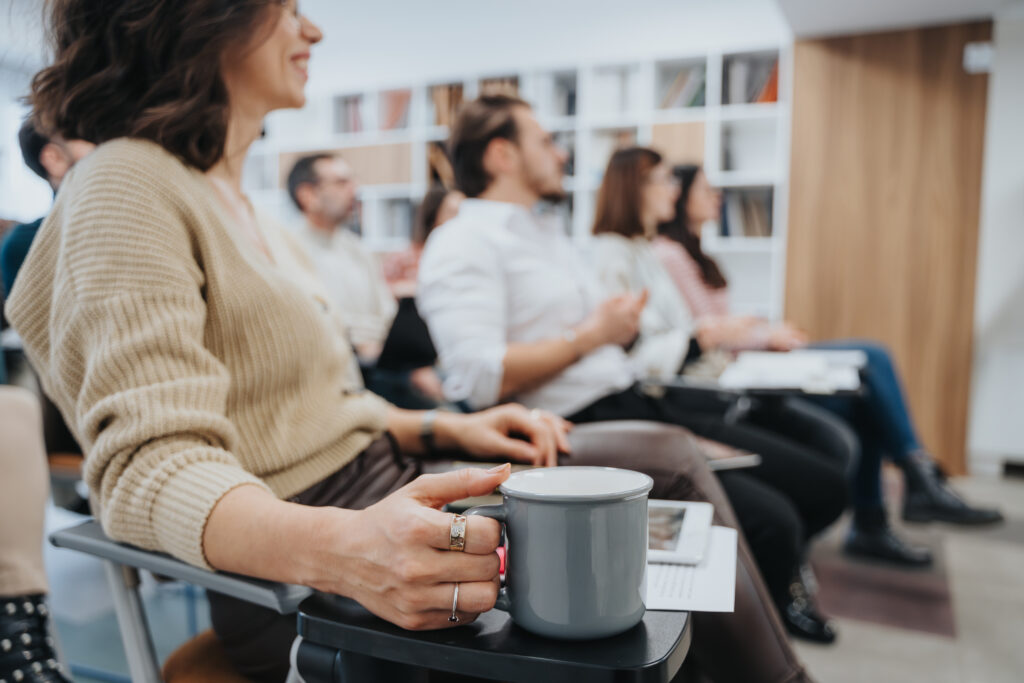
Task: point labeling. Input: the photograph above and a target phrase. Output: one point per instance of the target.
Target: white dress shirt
(355, 282)
(497, 274)
(627, 265)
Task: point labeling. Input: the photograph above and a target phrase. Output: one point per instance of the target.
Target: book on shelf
(685, 90)
(564, 100)
(751, 79)
(503, 85)
(770, 91)
(347, 115)
(447, 100)
(747, 214)
(398, 218)
(395, 109)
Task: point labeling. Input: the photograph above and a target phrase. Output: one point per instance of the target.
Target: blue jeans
(880, 417)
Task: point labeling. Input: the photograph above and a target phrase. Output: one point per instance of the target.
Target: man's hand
(615, 321)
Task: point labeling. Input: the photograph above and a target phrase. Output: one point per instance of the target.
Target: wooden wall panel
(372, 164)
(885, 185)
(680, 143)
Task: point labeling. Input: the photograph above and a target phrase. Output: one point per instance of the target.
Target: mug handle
(498, 513)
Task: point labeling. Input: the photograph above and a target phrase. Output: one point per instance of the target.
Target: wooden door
(885, 187)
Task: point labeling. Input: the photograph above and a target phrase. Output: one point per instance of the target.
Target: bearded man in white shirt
(516, 315)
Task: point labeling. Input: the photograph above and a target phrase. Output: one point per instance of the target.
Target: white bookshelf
(743, 146)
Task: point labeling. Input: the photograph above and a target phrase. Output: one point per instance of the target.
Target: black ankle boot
(928, 497)
(871, 536)
(801, 615)
(26, 648)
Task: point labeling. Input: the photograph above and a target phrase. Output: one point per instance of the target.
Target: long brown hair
(620, 199)
(145, 69)
(680, 230)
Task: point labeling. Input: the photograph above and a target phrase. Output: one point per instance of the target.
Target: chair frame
(122, 564)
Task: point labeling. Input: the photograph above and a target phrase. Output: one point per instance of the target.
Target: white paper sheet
(707, 587)
(812, 372)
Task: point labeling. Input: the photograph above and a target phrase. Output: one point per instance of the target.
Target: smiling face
(271, 72)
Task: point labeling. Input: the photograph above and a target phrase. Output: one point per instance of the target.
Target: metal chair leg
(138, 644)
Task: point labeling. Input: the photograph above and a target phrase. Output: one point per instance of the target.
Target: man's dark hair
(304, 173)
(486, 118)
(145, 69)
(32, 143)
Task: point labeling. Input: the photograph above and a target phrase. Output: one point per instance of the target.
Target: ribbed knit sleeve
(121, 348)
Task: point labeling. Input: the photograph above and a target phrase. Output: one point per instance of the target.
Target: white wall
(811, 18)
(369, 44)
(23, 195)
(997, 400)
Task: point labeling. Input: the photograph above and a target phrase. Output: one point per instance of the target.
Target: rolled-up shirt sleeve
(461, 296)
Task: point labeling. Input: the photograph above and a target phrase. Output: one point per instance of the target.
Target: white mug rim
(641, 488)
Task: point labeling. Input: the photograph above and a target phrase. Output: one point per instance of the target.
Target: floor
(977, 580)
(960, 622)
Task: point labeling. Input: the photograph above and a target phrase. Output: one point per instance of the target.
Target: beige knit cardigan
(185, 362)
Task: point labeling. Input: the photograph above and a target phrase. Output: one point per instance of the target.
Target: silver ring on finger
(454, 618)
(457, 534)
(536, 414)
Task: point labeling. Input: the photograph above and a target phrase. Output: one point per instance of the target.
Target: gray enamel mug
(576, 553)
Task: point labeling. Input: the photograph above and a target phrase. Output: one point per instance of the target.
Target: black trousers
(800, 486)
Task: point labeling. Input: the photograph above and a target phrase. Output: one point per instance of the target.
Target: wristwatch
(427, 431)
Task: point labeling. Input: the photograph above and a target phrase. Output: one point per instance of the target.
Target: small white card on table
(707, 587)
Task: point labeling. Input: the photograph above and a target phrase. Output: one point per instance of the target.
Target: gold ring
(454, 618)
(457, 534)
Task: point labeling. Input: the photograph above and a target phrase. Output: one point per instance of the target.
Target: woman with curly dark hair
(195, 356)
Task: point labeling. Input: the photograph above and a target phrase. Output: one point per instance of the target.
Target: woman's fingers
(482, 534)
(436, 490)
(431, 606)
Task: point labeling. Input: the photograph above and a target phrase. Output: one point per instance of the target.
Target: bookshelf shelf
(743, 112)
(742, 179)
(716, 244)
(680, 115)
(727, 111)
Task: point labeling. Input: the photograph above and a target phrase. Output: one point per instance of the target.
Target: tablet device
(678, 531)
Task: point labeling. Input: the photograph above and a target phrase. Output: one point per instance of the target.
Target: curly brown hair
(144, 69)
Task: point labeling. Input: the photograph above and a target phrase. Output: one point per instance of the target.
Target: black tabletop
(493, 647)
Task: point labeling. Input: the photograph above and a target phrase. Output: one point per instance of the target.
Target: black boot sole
(921, 515)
